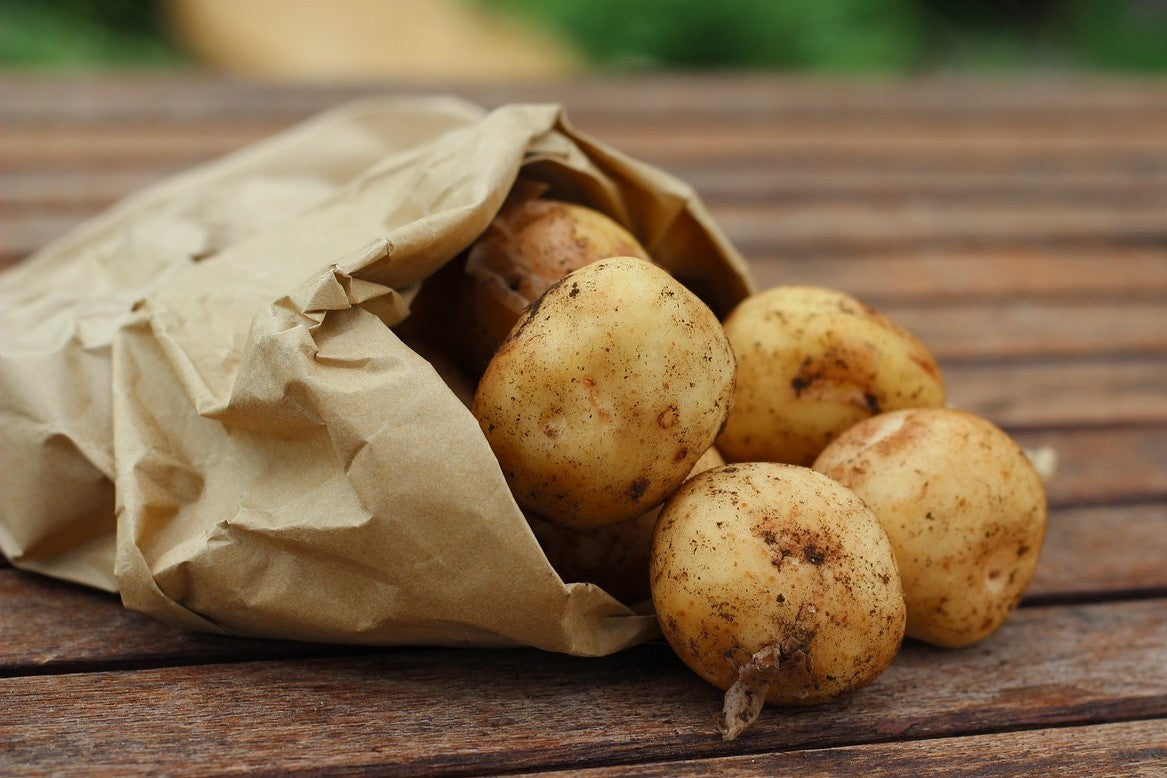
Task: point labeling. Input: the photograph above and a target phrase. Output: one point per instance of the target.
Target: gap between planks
(1133, 748)
(56, 627)
(466, 711)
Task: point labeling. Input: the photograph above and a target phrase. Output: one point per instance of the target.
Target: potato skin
(812, 362)
(754, 555)
(613, 556)
(963, 507)
(530, 244)
(605, 394)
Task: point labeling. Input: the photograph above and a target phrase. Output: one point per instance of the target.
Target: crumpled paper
(204, 405)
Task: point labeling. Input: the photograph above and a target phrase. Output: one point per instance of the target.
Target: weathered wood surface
(56, 627)
(477, 711)
(1134, 748)
(1019, 229)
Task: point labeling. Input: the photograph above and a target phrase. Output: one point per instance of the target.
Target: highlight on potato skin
(810, 363)
(776, 584)
(963, 507)
(605, 393)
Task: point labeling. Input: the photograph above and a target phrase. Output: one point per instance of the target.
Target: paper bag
(206, 408)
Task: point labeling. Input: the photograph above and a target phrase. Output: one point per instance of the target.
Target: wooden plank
(794, 230)
(51, 147)
(95, 185)
(478, 711)
(1101, 466)
(1098, 552)
(1130, 748)
(1027, 328)
(861, 225)
(1070, 392)
(773, 181)
(54, 627)
(61, 146)
(758, 97)
(1100, 271)
(1015, 327)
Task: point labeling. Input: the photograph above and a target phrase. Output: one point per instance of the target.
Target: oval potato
(774, 582)
(811, 362)
(605, 394)
(963, 507)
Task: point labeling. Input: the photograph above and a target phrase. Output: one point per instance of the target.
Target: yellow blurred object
(427, 40)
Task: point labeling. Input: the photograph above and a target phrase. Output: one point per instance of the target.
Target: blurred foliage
(815, 35)
(860, 35)
(1130, 35)
(835, 35)
(64, 33)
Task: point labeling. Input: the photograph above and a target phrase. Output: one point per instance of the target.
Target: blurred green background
(879, 36)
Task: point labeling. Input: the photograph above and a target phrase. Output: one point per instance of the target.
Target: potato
(963, 507)
(530, 244)
(776, 584)
(604, 395)
(613, 556)
(812, 362)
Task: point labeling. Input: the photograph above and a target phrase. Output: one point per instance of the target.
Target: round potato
(613, 556)
(776, 584)
(811, 362)
(963, 507)
(606, 392)
(530, 244)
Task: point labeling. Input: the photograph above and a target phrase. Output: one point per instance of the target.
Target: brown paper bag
(205, 406)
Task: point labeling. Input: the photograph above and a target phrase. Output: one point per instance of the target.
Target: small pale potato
(604, 395)
(963, 507)
(613, 556)
(530, 244)
(776, 584)
(811, 362)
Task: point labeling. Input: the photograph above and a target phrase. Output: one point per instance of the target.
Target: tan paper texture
(203, 405)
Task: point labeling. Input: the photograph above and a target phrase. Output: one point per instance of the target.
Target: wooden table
(1019, 228)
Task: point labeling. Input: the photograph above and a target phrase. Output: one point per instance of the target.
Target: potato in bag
(601, 400)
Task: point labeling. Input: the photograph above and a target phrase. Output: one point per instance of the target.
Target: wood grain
(743, 96)
(764, 96)
(1117, 273)
(1134, 748)
(1013, 328)
(1102, 552)
(800, 228)
(808, 229)
(1020, 228)
(1069, 392)
(1101, 466)
(764, 181)
(55, 627)
(473, 711)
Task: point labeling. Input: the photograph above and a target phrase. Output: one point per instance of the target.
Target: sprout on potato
(604, 395)
(963, 507)
(775, 584)
(812, 362)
